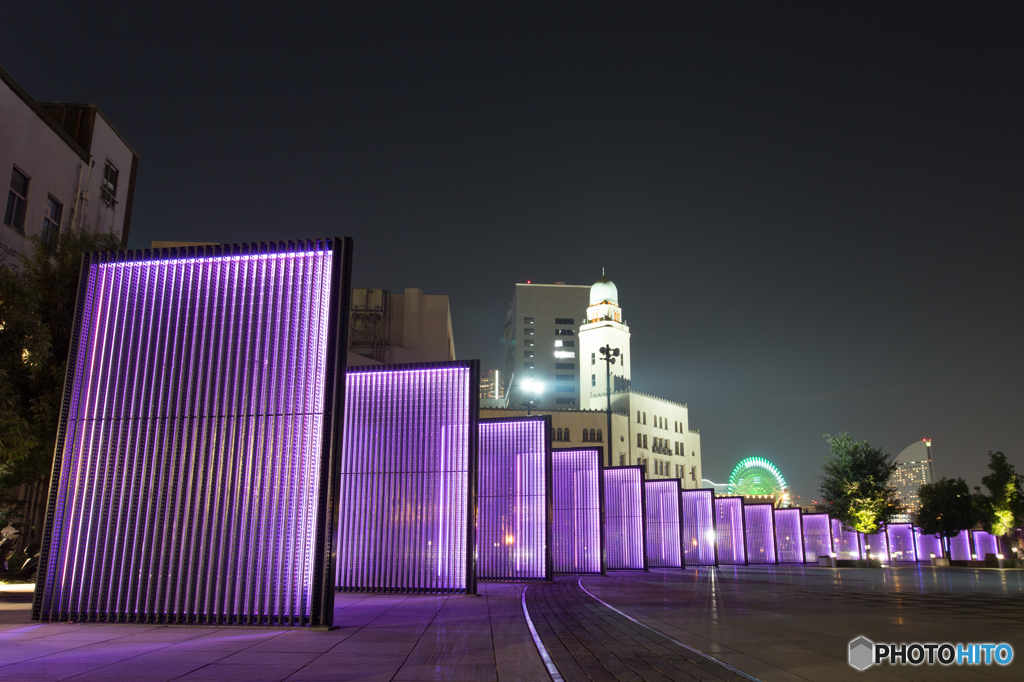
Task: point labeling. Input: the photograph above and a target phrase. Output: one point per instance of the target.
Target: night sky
(813, 216)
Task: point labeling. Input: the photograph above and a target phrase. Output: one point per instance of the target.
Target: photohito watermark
(864, 653)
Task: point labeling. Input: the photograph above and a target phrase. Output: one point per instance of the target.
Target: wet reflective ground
(795, 623)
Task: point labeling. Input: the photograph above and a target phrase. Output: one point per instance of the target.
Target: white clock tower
(603, 327)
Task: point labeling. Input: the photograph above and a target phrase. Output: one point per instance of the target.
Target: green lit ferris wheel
(757, 476)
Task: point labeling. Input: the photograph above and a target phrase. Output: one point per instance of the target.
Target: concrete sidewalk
(382, 637)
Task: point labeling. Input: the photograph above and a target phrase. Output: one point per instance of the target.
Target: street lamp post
(529, 386)
(608, 354)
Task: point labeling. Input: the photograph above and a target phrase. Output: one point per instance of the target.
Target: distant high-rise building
(913, 469)
(490, 385)
(541, 343)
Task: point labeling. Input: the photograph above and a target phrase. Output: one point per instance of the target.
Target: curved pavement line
(541, 649)
(662, 634)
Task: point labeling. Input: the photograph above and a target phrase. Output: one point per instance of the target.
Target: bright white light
(999, 556)
(933, 556)
(565, 353)
(531, 386)
(709, 535)
(558, 344)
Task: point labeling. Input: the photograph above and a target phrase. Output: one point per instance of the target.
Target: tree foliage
(1003, 509)
(38, 293)
(855, 484)
(947, 508)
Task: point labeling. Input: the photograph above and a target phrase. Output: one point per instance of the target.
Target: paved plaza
(770, 623)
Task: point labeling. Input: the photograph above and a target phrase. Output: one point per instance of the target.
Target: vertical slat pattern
(817, 537)
(928, 545)
(901, 541)
(513, 498)
(576, 527)
(698, 516)
(848, 544)
(788, 536)
(663, 530)
(985, 543)
(760, 531)
(404, 485)
(624, 517)
(729, 531)
(877, 545)
(189, 460)
(960, 547)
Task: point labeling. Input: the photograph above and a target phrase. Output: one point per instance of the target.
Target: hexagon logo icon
(862, 653)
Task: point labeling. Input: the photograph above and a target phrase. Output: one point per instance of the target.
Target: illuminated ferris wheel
(757, 477)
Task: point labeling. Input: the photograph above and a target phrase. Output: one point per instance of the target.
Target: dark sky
(813, 215)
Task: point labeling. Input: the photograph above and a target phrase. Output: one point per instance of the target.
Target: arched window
(639, 441)
(558, 434)
(584, 435)
(638, 416)
(645, 440)
(566, 434)
(599, 440)
(593, 438)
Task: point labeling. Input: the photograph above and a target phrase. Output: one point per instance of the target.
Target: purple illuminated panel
(848, 544)
(960, 547)
(901, 542)
(408, 479)
(624, 518)
(877, 545)
(729, 531)
(576, 528)
(514, 498)
(789, 536)
(698, 515)
(928, 545)
(760, 529)
(985, 543)
(192, 469)
(663, 533)
(817, 537)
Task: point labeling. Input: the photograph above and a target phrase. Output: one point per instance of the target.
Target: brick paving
(588, 641)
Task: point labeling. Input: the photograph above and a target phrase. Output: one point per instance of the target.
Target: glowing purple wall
(698, 516)
(928, 545)
(760, 533)
(624, 518)
(576, 532)
(817, 537)
(194, 455)
(789, 536)
(729, 531)
(902, 545)
(877, 545)
(663, 531)
(514, 499)
(960, 547)
(985, 543)
(847, 544)
(408, 479)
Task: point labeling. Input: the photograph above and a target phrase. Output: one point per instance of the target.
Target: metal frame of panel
(578, 507)
(199, 431)
(813, 530)
(758, 537)
(786, 549)
(664, 523)
(960, 548)
(408, 479)
(984, 541)
(697, 518)
(899, 535)
(877, 545)
(515, 499)
(734, 505)
(625, 518)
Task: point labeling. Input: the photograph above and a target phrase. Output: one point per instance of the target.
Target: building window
(585, 438)
(558, 434)
(593, 436)
(565, 389)
(528, 332)
(565, 365)
(528, 342)
(645, 441)
(564, 377)
(593, 360)
(108, 187)
(527, 320)
(565, 354)
(593, 380)
(599, 438)
(565, 332)
(565, 320)
(51, 221)
(566, 344)
(17, 199)
(622, 460)
(645, 417)
(639, 441)
(527, 353)
(566, 433)
(527, 365)
(565, 401)
(638, 416)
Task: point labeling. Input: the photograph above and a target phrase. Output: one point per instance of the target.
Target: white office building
(913, 469)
